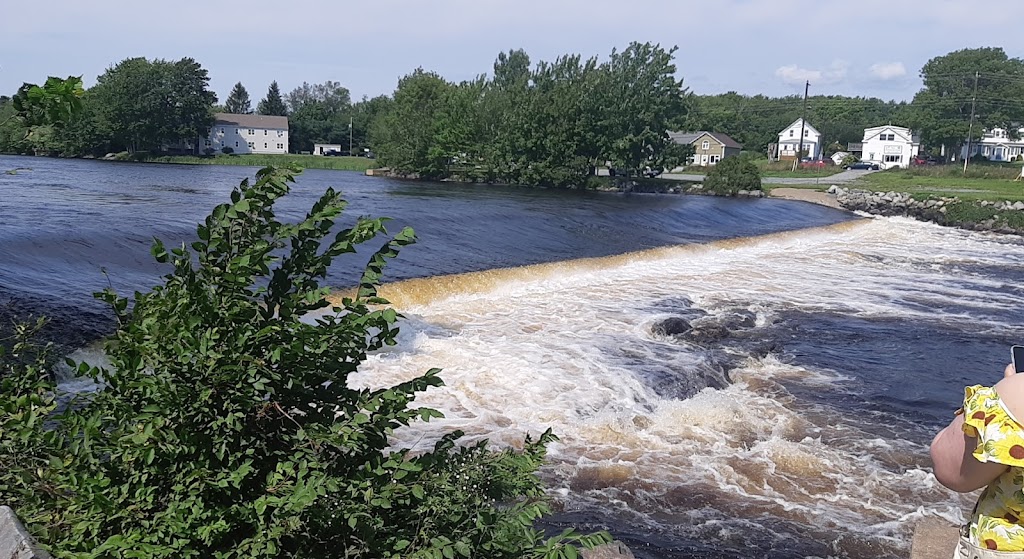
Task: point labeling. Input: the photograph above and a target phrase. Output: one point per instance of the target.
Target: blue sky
(867, 47)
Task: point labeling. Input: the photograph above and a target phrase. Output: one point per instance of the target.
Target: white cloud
(888, 70)
(795, 75)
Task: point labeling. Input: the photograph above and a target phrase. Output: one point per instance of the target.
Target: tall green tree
(643, 100)
(238, 101)
(335, 97)
(144, 105)
(273, 103)
(405, 136)
(318, 113)
(942, 109)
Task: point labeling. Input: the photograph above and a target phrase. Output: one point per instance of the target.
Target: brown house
(708, 147)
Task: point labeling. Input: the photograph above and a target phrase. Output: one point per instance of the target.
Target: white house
(248, 134)
(997, 145)
(321, 149)
(890, 146)
(789, 141)
(839, 156)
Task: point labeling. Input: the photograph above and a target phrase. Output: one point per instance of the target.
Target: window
(714, 159)
(887, 137)
(265, 132)
(806, 132)
(893, 158)
(790, 133)
(236, 144)
(705, 145)
(252, 132)
(238, 132)
(251, 145)
(221, 130)
(264, 145)
(208, 142)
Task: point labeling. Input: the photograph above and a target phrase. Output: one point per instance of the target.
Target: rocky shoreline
(976, 215)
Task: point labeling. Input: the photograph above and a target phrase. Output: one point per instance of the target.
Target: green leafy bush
(731, 175)
(225, 426)
(227, 150)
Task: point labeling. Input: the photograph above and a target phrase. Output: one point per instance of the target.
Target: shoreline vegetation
(358, 164)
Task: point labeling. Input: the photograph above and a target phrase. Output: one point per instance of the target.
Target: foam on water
(570, 346)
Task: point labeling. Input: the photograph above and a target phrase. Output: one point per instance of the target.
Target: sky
(872, 48)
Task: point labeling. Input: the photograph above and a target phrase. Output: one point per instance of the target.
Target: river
(792, 421)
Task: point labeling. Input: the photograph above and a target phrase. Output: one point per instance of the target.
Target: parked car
(866, 165)
(335, 153)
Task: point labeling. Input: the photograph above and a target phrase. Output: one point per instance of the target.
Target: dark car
(865, 165)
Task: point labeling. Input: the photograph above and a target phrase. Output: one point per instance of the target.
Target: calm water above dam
(792, 422)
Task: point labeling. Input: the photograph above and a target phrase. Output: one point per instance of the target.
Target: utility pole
(803, 122)
(970, 128)
(350, 154)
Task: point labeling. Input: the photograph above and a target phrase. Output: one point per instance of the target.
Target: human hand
(1009, 371)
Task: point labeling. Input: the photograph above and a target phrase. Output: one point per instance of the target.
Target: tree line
(148, 105)
(549, 123)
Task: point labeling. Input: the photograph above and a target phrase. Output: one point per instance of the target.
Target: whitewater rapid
(750, 464)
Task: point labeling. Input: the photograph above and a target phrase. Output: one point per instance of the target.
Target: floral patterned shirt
(997, 519)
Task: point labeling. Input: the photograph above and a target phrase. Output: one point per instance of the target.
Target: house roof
(685, 137)
(904, 133)
(690, 137)
(807, 126)
(252, 121)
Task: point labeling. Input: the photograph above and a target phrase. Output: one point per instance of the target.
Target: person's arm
(954, 464)
(952, 450)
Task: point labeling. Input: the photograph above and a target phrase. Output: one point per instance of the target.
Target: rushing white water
(772, 458)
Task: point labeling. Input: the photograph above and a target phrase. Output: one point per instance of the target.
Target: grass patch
(360, 164)
(971, 212)
(784, 169)
(982, 182)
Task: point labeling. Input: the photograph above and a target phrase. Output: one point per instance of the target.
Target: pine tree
(272, 104)
(238, 101)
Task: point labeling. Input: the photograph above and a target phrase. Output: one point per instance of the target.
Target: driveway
(839, 178)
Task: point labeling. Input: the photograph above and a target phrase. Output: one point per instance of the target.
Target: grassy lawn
(256, 160)
(784, 169)
(982, 182)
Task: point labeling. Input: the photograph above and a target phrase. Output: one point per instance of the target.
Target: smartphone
(1017, 356)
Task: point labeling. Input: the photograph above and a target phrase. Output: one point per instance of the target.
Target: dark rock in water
(767, 348)
(672, 326)
(680, 384)
(707, 333)
(742, 319)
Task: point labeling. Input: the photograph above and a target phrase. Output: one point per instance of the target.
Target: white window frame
(705, 145)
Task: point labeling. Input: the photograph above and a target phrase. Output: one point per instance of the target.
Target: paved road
(839, 178)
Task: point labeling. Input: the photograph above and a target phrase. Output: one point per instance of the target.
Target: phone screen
(1017, 352)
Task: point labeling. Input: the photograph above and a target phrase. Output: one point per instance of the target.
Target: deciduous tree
(941, 110)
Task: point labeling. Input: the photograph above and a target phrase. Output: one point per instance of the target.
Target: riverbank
(358, 164)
